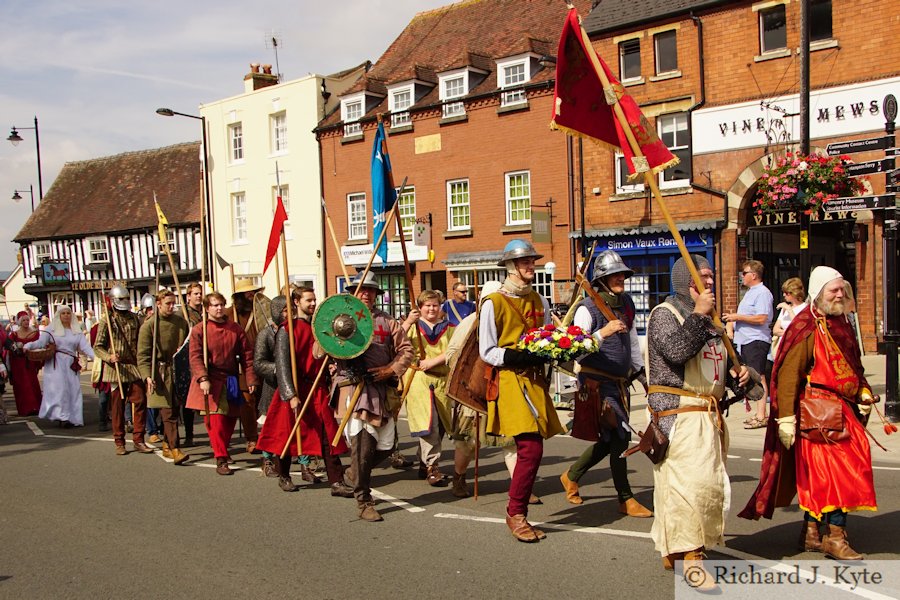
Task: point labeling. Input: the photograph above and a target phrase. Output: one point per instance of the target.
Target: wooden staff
(576, 290)
(112, 346)
(155, 328)
(362, 277)
(337, 246)
(233, 285)
(350, 408)
(165, 245)
(477, 445)
(650, 180)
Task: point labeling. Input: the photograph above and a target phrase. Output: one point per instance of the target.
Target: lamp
(550, 268)
(14, 138)
(206, 207)
(17, 197)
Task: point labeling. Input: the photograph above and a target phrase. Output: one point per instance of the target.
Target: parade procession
(394, 318)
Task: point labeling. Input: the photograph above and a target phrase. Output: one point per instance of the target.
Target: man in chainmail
(688, 376)
(264, 363)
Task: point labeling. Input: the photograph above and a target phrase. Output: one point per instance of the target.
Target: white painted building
(261, 142)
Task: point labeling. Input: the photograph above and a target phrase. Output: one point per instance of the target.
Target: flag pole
(650, 179)
(164, 242)
(337, 246)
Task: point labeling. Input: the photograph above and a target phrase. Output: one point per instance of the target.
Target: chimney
(255, 79)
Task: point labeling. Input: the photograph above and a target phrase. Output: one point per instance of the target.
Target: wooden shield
(467, 381)
(343, 326)
(182, 372)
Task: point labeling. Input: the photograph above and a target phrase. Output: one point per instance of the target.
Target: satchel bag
(653, 442)
(822, 416)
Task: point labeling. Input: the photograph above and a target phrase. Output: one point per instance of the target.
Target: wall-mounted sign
(56, 273)
(96, 284)
(359, 255)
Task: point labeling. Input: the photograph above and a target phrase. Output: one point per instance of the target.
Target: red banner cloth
(580, 107)
(275, 234)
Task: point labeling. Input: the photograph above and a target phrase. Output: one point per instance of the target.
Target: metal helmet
(518, 249)
(609, 262)
(121, 299)
(369, 282)
(147, 301)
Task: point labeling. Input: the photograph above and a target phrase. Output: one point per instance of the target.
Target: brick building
(721, 80)
(467, 94)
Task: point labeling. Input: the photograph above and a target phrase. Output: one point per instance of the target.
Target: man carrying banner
(372, 426)
(817, 373)
(167, 331)
(195, 315)
(523, 409)
(215, 389)
(604, 378)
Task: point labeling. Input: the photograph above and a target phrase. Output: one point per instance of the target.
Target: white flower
(802, 166)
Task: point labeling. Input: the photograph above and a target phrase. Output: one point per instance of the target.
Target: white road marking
(34, 428)
(560, 526)
(755, 459)
(397, 502)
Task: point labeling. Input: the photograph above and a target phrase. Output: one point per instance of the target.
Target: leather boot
(810, 540)
(459, 486)
(521, 529)
(269, 467)
(669, 560)
(341, 489)
(166, 451)
(142, 448)
(836, 545)
(398, 461)
(222, 466)
(179, 457)
(287, 485)
(435, 478)
(695, 574)
(633, 508)
(367, 511)
(571, 488)
(307, 474)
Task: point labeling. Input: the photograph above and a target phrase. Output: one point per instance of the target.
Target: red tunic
(227, 349)
(24, 376)
(318, 426)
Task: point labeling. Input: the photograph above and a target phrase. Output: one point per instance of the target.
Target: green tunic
(173, 330)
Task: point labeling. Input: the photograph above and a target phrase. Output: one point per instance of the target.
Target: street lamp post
(15, 138)
(206, 205)
(30, 190)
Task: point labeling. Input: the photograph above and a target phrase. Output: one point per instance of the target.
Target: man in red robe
(214, 385)
(818, 365)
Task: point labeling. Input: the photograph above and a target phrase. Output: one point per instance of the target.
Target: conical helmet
(121, 299)
(518, 249)
(147, 301)
(609, 262)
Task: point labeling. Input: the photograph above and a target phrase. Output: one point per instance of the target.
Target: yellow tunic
(419, 407)
(524, 405)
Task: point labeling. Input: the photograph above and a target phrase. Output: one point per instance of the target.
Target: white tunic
(62, 398)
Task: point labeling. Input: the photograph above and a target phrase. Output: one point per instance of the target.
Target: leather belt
(712, 403)
(621, 382)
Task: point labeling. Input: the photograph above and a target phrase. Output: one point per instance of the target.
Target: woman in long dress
(62, 386)
(24, 372)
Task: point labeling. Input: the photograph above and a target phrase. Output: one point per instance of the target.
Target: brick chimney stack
(257, 79)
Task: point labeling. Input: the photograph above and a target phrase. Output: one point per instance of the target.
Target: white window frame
(543, 285)
(285, 198)
(400, 116)
(761, 18)
(238, 217)
(352, 110)
(170, 241)
(40, 251)
(236, 142)
(683, 132)
(510, 198)
(512, 97)
(357, 217)
(453, 107)
(623, 186)
(656, 53)
(279, 132)
(406, 205)
(98, 250)
(622, 60)
(460, 206)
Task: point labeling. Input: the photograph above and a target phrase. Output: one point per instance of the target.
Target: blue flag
(383, 193)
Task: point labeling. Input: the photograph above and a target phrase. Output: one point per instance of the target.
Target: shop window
(482, 275)
(772, 29)
(630, 60)
(649, 285)
(395, 297)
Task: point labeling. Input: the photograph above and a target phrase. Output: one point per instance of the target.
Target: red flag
(580, 107)
(275, 234)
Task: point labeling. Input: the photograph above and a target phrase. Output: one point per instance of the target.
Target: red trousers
(220, 429)
(529, 451)
(138, 401)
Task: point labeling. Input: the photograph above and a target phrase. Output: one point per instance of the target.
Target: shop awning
(647, 229)
(472, 259)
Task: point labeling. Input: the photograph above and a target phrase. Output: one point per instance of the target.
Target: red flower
(574, 330)
(564, 342)
(549, 327)
(546, 334)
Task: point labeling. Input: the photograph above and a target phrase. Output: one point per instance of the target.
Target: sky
(95, 71)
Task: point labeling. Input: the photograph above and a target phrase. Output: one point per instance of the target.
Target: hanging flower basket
(804, 183)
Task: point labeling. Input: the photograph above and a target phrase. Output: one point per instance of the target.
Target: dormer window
(512, 74)
(454, 84)
(351, 113)
(400, 100)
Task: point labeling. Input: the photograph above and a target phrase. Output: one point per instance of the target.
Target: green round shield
(343, 326)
